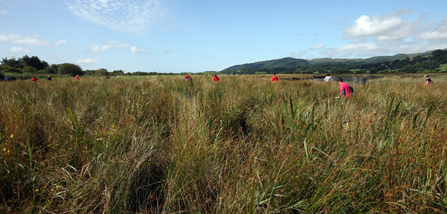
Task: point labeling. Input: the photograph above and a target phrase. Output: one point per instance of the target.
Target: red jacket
(216, 79)
(274, 78)
(345, 86)
(187, 76)
(34, 79)
(76, 77)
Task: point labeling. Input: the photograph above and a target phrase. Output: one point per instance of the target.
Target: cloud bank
(317, 47)
(390, 33)
(120, 15)
(18, 50)
(95, 47)
(86, 61)
(135, 50)
(28, 40)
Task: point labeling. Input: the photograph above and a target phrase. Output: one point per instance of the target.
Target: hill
(292, 62)
(284, 62)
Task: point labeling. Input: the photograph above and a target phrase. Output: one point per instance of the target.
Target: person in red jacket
(34, 79)
(345, 89)
(76, 77)
(274, 78)
(189, 79)
(216, 78)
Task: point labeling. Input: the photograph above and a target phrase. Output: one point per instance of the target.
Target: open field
(244, 145)
(443, 67)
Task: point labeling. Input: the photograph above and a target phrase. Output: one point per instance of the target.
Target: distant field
(161, 144)
(443, 67)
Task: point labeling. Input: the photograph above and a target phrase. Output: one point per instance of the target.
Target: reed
(243, 145)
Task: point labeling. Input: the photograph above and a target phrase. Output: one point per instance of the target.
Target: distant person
(107, 77)
(6, 79)
(274, 78)
(345, 89)
(49, 78)
(189, 79)
(328, 78)
(428, 80)
(34, 79)
(77, 77)
(216, 78)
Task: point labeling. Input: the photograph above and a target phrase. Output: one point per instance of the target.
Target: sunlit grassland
(443, 67)
(161, 145)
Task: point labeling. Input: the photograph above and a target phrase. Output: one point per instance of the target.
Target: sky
(211, 35)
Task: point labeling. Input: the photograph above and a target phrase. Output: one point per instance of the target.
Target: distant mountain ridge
(293, 62)
(284, 62)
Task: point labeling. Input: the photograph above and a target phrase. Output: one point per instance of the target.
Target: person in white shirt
(328, 78)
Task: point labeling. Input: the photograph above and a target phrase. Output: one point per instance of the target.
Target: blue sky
(211, 35)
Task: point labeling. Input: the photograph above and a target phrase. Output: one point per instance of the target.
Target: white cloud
(300, 54)
(121, 15)
(19, 50)
(3, 12)
(110, 44)
(135, 50)
(434, 35)
(27, 40)
(390, 33)
(358, 47)
(60, 42)
(437, 31)
(317, 47)
(87, 61)
(169, 51)
(370, 26)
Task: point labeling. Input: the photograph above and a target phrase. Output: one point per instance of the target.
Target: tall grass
(244, 145)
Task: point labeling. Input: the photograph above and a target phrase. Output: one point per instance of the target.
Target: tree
(13, 62)
(9, 69)
(71, 69)
(117, 72)
(52, 69)
(101, 72)
(89, 72)
(373, 70)
(29, 69)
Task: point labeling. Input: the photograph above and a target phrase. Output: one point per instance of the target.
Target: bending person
(345, 89)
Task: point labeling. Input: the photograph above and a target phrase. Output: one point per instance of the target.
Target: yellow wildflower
(12, 135)
(37, 190)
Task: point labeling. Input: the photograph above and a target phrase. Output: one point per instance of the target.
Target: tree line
(33, 65)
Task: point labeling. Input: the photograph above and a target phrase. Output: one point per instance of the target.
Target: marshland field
(158, 144)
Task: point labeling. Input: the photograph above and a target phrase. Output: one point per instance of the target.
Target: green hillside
(292, 62)
(284, 62)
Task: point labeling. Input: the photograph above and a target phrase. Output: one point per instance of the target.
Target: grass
(443, 67)
(158, 145)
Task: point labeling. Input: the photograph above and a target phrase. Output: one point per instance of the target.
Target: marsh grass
(161, 145)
